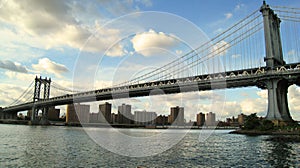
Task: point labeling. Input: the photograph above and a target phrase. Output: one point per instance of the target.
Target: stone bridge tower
(277, 87)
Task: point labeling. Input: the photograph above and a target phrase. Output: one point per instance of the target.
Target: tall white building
(144, 117)
(124, 114)
(210, 119)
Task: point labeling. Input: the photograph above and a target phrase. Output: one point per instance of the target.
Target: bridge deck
(232, 79)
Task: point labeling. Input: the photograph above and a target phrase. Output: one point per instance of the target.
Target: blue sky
(92, 44)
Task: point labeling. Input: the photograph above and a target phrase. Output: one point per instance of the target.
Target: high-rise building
(53, 114)
(200, 119)
(169, 119)
(211, 119)
(177, 115)
(144, 117)
(77, 113)
(105, 112)
(124, 114)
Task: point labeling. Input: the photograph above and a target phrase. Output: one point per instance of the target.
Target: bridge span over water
(275, 76)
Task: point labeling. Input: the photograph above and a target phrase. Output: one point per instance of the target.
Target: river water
(38, 146)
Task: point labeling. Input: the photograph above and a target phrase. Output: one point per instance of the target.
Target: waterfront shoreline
(257, 132)
(97, 125)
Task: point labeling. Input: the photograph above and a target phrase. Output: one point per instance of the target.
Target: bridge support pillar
(298, 81)
(44, 119)
(36, 120)
(277, 100)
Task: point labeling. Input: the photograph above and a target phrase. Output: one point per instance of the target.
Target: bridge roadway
(231, 79)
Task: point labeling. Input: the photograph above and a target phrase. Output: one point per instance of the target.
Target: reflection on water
(29, 146)
(282, 154)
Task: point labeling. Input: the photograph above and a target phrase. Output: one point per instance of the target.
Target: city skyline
(53, 52)
(77, 113)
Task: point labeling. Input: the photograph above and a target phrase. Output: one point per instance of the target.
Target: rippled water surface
(37, 146)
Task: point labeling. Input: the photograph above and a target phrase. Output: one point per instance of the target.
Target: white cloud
(178, 52)
(17, 46)
(10, 93)
(147, 3)
(151, 42)
(116, 51)
(291, 53)
(236, 56)
(263, 93)
(228, 15)
(220, 48)
(13, 66)
(239, 7)
(250, 106)
(24, 77)
(293, 101)
(55, 24)
(48, 66)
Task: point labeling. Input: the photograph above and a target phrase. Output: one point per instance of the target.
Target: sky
(94, 44)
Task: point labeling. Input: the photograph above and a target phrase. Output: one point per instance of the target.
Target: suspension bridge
(260, 50)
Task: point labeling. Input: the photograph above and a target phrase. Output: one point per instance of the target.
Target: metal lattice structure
(41, 85)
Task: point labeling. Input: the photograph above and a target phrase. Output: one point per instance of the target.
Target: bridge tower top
(39, 82)
(274, 56)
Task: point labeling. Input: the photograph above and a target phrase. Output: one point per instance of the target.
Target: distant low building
(94, 118)
(232, 121)
(21, 116)
(144, 117)
(114, 118)
(161, 120)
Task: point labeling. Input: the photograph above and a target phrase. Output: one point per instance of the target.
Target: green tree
(266, 125)
(251, 122)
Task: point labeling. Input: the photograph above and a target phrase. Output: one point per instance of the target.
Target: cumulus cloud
(228, 15)
(11, 93)
(293, 100)
(239, 7)
(48, 66)
(236, 56)
(55, 24)
(220, 48)
(11, 45)
(263, 93)
(151, 42)
(13, 66)
(20, 76)
(250, 106)
(116, 51)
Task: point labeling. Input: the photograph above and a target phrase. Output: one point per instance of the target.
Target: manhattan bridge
(261, 50)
